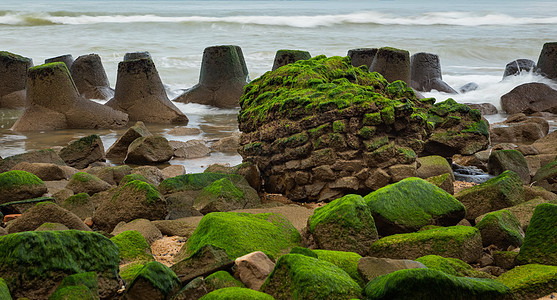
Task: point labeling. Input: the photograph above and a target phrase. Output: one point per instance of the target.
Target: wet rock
(484, 108)
(82, 182)
(53, 102)
(519, 128)
(141, 94)
(149, 150)
(546, 177)
(518, 66)
(547, 62)
(502, 160)
(469, 87)
(13, 78)
(83, 152)
(184, 131)
(222, 78)
(393, 64)
(173, 171)
(195, 289)
(111, 175)
(227, 144)
(45, 212)
(190, 149)
(137, 55)
(153, 281)
(39, 156)
(425, 73)
(502, 229)
(45, 171)
(119, 149)
(530, 98)
(90, 78)
(362, 56)
(285, 57)
(207, 260)
(67, 59)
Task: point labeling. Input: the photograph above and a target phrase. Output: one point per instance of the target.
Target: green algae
(4, 290)
(540, 242)
(129, 271)
(132, 246)
(159, 276)
(223, 188)
(234, 293)
(348, 212)
(84, 177)
(77, 286)
(303, 251)
(451, 266)
(505, 223)
(78, 199)
(348, 261)
(530, 281)
(16, 178)
(220, 280)
(243, 233)
(131, 177)
(151, 193)
(193, 181)
(77, 292)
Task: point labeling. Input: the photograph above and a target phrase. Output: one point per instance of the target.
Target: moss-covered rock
(206, 260)
(131, 177)
(243, 233)
(129, 271)
(303, 251)
(51, 226)
(348, 261)
(4, 290)
(220, 280)
(345, 224)
(32, 263)
(224, 195)
(80, 204)
(460, 242)
(502, 229)
(39, 156)
(433, 284)
(20, 185)
(195, 181)
(433, 165)
(540, 242)
(504, 259)
(82, 182)
(153, 281)
(233, 293)
(523, 211)
(451, 266)
(546, 175)
(502, 160)
(84, 151)
(298, 276)
(77, 286)
(500, 192)
(530, 281)
(412, 203)
(132, 246)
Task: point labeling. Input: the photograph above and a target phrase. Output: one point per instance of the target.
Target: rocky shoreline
(349, 187)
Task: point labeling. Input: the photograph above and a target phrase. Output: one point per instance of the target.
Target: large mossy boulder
(497, 193)
(540, 242)
(297, 276)
(224, 195)
(530, 281)
(132, 247)
(412, 203)
(243, 233)
(345, 224)
(502, 229)
(546, 176)
(84, 151)
(33, 263)
(323, 114)
(220, 280)
(20, 185)
(348, 261)
(82, 182)
(77, 286)
(502, 160)
(233, 293)
(426, 284)
(451, 266)
(153, 281)
(462, 242)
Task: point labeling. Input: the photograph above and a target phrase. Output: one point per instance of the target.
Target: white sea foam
(303, 21)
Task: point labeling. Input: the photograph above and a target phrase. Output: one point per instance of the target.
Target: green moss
(547, 171)
(78, 199)
(152, 195)
(293, 141)
(451, 266)
(298, 276)
(4, 290)
(233, 293)
(132, 246)
(377, 143)
(223, 188)
(413, 202)
(530, 281)
(84, 177)
(372, 119)
(506, 223)
(388, 115)
(192, 182)
(221, 279)
(160, 276)
(347, 212)
(480, 127)
(80, 145)
(129, 271)
(540, 242)
(303, 251)
(13, 56)
(439, 180)
(348, 261)
(72, 286)
(243, 233)
(131, 177)
(339, 126)
(77, 292)
(433, 284)
(367, 132)
(16, 178)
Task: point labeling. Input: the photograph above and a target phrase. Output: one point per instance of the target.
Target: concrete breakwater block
(221, 80)
(66, 58)
(547, 62)
(141, 94)
(90, 77)
(362, 56)
(425, 73)
(392, 63)
(285, 57)
(53, 102)
(13, 78)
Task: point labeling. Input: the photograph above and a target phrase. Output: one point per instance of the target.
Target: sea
(474, 40)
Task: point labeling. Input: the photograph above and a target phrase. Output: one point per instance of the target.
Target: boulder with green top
(53, 102)
(38, 156)
(149, 150)
(193, 182)
(220, 280)
(34, 263)
(348, 261)
(13, 78)
(78, 286)
(303, 277)
(345, 224)
(451, 266)
(119, 149)
(45, 212)
(112, 175)
(222, 78)
(153, 281)
(412, 203)
(132, 247)
(523, 211)
(530, 281)
(247, 169)
(546, 176)
(20, 185)
(497, 193)
(83, 152)
(223, 195)
(82, 182)
(134, 200)
(80, 204)
(51, 226)
(370, 268)
(428, 284)
(502, 160)
(540, 242)
(128, 271)
(462, 242)
(145, 227)
(502, 229)
(243, 233)
(433, 165)
(284, 57)
(206, 260)
(233, 293)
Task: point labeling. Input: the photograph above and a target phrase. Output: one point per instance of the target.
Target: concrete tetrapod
(141, 94)
(221, 80)
(13, 78)
(90, 77)
(285, 57)
(53, 102)
(425, 73)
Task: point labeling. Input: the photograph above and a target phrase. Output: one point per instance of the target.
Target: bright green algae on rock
(16, 178)
(193, 181)
(220, 280)
(297, 276)
(223, 188)
(4, 290)
(159, 276)
(412, 203)
(132, 246)
(243, 233)
(427, 284)
(348, 261)
(131, 177)
(78, 199)
(152, 195)
(303, 251)
(530, 281)
(451, 266)
(84, 177)
(129, 271)
(234, 293)
(78, 286)
(503, 226)
(540, 242)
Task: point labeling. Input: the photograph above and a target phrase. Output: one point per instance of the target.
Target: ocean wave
(304, 21)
